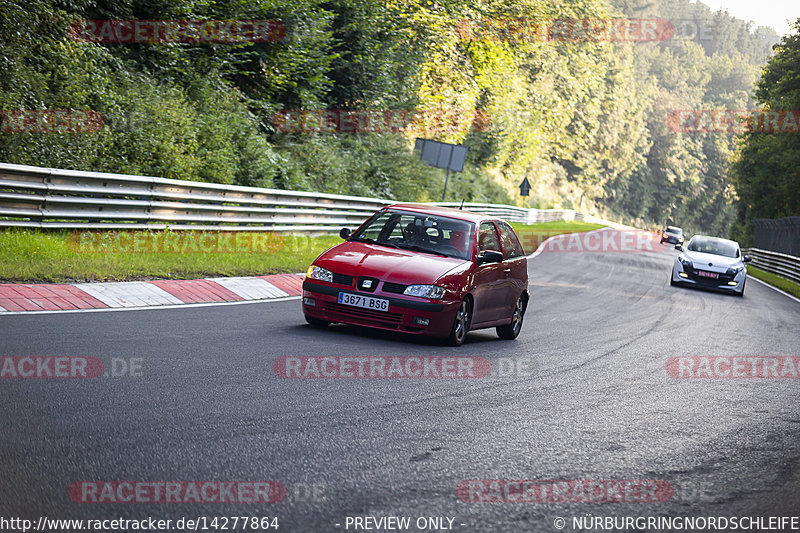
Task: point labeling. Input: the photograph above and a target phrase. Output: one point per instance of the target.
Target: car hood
(718, 263)
(389, 264)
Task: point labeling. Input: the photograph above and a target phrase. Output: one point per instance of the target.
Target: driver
(414, 234)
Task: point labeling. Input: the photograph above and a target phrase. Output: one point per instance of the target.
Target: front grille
(723, 278)
(343, 279)
(395, 288)
(347, 310)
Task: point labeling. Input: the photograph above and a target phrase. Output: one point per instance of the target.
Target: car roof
(429, 209)
(674, 228)
(715, 239)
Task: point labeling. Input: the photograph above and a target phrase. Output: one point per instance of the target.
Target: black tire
(672, 281)
(740, 294)
(511, 331)
(317, 322)
(461, 323)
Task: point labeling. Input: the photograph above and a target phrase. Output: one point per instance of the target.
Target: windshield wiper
(418, 248)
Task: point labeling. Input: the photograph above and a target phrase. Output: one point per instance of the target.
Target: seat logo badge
(367, 283)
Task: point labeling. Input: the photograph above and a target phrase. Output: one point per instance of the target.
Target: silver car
(712, 263)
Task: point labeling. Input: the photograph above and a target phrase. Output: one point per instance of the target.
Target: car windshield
(675, 231)
(708, 245)
(419, 232)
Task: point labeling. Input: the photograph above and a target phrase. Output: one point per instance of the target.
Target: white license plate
(704, 274)
(367, 302)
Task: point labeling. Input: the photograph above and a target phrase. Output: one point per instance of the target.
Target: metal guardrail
(513, 213)
(786, 266)
(35, 197)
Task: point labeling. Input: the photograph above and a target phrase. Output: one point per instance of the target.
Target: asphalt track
(594, 404)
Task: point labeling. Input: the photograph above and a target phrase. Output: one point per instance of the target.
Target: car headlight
(735, 270)
(315, 272)
(425, 291)
(685, 262)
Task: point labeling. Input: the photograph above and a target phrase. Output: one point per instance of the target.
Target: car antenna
(462, 205)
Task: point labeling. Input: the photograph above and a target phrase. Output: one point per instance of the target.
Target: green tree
(767, 170)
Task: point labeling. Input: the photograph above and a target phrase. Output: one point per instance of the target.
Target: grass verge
(61, 256)
(776, 281)
(532, 235)
(53, 256)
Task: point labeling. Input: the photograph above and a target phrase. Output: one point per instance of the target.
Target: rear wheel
(461, 323)
(511, 331)
(317, 322)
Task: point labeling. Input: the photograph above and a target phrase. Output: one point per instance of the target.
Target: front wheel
(511, 331)
(461, 323)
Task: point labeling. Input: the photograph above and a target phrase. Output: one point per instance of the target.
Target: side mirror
(746, 259)
(344, 233)
(679, 247)
(490, 256)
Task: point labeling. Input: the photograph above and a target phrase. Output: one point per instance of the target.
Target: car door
(515, 268)
(489, 277)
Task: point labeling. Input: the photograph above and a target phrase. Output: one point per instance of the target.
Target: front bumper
(725, 282)
(400, 316)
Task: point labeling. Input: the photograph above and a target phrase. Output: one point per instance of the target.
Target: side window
(487, 238)
(510, 242)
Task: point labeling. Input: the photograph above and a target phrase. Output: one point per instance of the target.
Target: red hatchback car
(423, 270)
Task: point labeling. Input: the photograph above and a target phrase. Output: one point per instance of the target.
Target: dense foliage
(713, 67)
(584, 121)
(767, 170)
